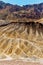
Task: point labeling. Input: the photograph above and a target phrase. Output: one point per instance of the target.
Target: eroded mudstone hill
(21, 40)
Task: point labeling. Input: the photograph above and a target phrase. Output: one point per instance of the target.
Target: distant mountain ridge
(16, 12)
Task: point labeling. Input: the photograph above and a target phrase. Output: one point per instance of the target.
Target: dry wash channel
(21, 40)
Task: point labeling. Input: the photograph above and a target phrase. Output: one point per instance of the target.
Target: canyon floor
(13, 62)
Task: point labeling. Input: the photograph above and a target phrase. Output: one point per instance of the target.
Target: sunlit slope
(21, 40)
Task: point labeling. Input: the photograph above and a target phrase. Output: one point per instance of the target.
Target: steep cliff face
(21, 40)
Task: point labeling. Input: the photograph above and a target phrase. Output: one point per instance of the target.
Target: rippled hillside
(21, 40)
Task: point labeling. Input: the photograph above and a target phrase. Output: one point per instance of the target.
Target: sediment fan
(21, 40)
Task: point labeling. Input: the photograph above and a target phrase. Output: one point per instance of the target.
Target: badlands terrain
(21, 33)
(21, 40)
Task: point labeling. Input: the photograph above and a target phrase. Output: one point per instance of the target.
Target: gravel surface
(14, 62)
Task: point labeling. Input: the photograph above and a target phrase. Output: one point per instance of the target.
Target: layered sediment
(21, 40)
